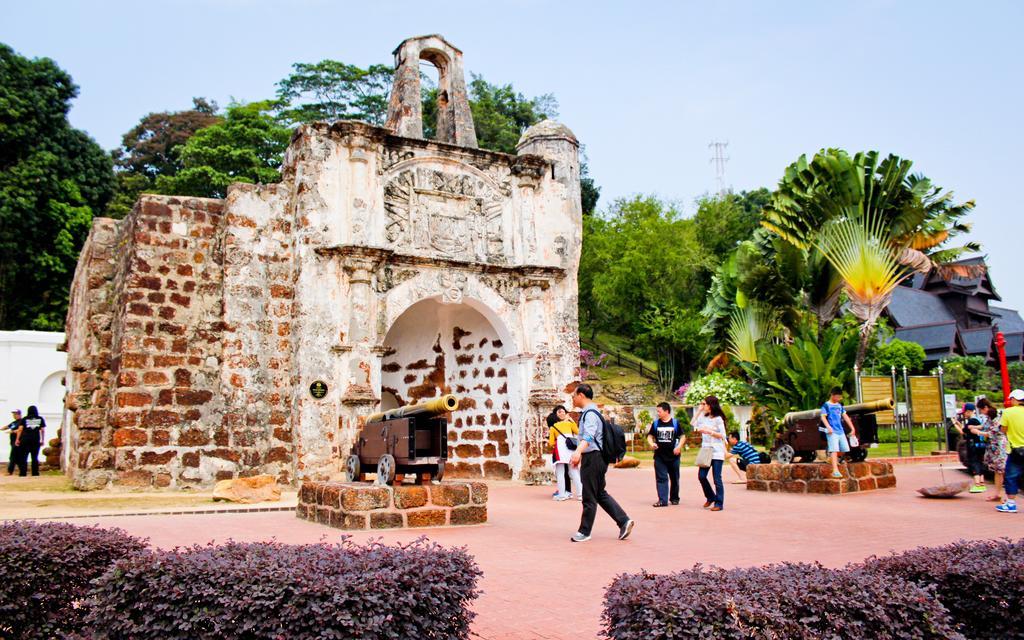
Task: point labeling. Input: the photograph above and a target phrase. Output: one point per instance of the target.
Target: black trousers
(666, 478)
(24, 451)
(12, 463)
(592, 472)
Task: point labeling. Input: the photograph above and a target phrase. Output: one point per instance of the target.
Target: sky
(646, 86)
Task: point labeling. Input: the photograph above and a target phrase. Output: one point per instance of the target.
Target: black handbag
(570, 442)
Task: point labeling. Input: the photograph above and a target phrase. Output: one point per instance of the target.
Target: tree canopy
(53, 179)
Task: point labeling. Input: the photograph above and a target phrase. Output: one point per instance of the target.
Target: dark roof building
(950, 314)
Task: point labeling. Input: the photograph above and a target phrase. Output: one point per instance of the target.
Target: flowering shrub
(979, 582)
(681, 391)
(727, 389)
(588, 361)
(778, 601)
(270, 590)
(45, 571)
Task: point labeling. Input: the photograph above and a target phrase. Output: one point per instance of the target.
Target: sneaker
(561, 497)
(579, 537)
(1007, 507)
(674, 503)
(580, 498)
(978, 488)
(626, 530)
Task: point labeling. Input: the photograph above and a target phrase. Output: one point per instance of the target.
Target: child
(741, 455)
(561, 429)
(833, 415)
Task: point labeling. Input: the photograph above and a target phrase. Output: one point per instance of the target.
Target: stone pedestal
(346, 505)
(817, 478)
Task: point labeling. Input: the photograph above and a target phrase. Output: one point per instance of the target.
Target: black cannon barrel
(854, 409)
(436, 407)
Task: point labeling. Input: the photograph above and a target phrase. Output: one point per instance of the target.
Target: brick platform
(817, 478)
(350, 506)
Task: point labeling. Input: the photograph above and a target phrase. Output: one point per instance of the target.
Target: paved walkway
(538, 585)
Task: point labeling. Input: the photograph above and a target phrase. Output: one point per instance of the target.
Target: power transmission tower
(718, 158)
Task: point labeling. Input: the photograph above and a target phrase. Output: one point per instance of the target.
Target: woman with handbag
(709, 421)
(562, 434)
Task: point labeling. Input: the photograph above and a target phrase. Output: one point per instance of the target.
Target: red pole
(1001, 350)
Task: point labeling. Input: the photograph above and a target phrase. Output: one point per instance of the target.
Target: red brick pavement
(539, 585)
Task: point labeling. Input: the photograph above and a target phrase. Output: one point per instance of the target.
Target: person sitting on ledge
(742, 454)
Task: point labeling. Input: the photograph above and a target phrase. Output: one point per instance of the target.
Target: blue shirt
(834, 411)
(747, 452)
(590, 427)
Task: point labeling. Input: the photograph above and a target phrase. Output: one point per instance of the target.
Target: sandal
(659, 504)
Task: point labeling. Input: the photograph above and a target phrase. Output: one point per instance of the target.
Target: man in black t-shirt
(665, 436)
(12, 428)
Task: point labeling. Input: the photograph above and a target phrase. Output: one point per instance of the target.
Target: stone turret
(405, 109)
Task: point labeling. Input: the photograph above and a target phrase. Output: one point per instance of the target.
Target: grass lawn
(884, 450)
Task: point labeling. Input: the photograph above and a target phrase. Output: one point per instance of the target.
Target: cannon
(409, 439)
(800, 439)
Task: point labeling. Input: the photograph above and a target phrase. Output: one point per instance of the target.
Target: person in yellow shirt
(562, 439)
(1013, 423)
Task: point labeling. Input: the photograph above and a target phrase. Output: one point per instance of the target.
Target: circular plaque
(318, 389)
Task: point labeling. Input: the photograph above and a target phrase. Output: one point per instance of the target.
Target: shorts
(838, 442)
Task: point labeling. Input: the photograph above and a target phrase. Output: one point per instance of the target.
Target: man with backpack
(599, 445)
(665, 436)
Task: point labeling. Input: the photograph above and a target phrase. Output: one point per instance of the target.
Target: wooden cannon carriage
(801, 439)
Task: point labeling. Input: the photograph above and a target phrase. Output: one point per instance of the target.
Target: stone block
(135, 478)
(830, 487)
(479, 492)
(261, 488)
(769, 472)
(794, 486)
(885, 482)
(449, 495)
(469, 515)
(462, 470)
(410, 497)
(859, 469)
(756, 485)
(866, 484)
(130, 438)
(801, 471)
(427, 518)
(365, 498)
(497, 470)
(385, 520)
(879, 468)
(331, 495)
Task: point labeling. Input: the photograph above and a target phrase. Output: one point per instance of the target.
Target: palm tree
(872, 221)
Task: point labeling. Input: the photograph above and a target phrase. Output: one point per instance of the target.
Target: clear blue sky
(646, 86)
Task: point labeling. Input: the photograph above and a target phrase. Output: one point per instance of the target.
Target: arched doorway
(435, 348)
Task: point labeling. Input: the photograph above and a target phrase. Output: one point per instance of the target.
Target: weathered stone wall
(196, 326)
(365, 506)
(817, 478)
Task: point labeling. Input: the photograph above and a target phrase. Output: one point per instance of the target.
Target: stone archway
(435, 348)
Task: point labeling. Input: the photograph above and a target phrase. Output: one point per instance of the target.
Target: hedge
(981, 583)
(778, 601)
(272, 590)
(45, 573)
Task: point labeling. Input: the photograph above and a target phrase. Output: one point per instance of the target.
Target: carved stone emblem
(453, 284)
(451, 213)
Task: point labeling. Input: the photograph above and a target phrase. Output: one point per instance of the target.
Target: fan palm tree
(872, 221)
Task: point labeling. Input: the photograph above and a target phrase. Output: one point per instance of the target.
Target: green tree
(899, 354)
(333, 90)
(53, 178)
(726, 220)
(872, 220)
(969, 372)
(150, 150)
(247, 146)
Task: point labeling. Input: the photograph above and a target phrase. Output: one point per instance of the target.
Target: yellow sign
(925, 400)
(878, 388)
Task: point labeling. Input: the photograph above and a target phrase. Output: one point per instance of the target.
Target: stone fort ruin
(383, 269)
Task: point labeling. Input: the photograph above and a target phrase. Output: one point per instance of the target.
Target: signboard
(318, 389)
(877, 388)
(926, 399)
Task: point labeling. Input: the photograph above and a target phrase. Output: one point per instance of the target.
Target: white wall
(31, 370)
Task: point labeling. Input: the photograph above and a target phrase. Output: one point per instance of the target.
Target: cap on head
(969, 406)
(1018, 395)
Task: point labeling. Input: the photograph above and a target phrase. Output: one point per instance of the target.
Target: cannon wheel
(353, 468)
(439, 474)
(386, 469)
(857, 454)
(784, 454)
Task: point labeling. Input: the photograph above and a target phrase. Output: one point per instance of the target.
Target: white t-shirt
(717, 445)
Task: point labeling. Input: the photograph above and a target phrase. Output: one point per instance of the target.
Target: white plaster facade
(31, 373)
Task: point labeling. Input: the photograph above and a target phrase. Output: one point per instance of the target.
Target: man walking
(593, 468)
(665, 436)
(1013, 422)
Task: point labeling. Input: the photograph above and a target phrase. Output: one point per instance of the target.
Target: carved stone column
(361, 337)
